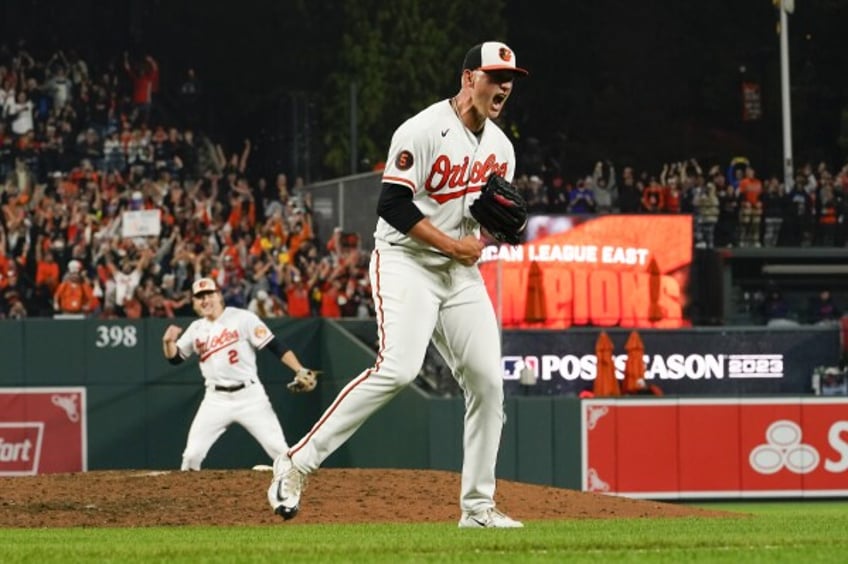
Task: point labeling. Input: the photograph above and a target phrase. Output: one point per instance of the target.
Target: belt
(235, 388)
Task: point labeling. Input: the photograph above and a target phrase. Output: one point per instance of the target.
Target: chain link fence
(349, 202)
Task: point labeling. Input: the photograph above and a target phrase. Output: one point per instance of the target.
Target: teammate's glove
(304, 380)
(500, 210)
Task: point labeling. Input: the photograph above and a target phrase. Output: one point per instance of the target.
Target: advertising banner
(680, 362)
(686, 448)
(604, 271)
(42, 431)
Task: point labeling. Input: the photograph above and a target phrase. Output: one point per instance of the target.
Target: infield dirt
(142, 498)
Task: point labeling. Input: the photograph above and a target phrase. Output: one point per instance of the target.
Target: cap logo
(203, 285)
(505, 54)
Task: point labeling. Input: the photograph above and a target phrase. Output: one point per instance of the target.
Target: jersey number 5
(233, 356)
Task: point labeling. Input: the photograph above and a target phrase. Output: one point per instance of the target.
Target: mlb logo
(516, 368)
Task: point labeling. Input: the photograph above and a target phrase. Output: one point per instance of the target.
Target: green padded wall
(140, 406)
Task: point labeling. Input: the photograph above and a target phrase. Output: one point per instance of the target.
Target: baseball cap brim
(495, 68)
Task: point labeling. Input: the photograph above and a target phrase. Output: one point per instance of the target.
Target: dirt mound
(144, 498)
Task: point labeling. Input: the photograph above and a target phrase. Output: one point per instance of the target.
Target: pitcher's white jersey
(226, 347)
(445, 165)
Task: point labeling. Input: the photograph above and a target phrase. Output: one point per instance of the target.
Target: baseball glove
(304, 380)
(500, 210)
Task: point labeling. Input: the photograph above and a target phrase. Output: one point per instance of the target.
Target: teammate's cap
(203, 285)
(492, 56)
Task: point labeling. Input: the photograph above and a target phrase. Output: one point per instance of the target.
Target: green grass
(763, 532)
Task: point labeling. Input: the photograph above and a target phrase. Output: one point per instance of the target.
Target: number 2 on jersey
(233, 356)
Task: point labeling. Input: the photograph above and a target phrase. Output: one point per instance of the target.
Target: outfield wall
(105, 388)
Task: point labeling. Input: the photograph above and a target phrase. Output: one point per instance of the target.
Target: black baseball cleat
(286, 512)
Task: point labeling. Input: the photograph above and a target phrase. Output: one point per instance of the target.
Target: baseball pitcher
(426, 284)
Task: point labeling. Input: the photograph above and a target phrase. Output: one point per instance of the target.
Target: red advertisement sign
(605, 271)
(42, 431)
(682, 448)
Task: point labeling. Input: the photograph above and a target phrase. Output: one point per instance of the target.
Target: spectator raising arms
(74, 295)
(604, 188)
(145, 83)
(582, 199)
(20, 111)
(653, 197)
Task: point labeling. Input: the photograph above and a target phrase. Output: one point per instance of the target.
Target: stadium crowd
(81, 145)
(732, 206)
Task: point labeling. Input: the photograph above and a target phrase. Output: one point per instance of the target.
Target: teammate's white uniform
(226, 350)
(420, 293)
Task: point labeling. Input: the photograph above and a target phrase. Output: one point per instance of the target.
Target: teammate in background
(427, 284)
(225, 339)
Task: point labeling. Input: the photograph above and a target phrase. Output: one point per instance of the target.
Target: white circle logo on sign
(783, 448)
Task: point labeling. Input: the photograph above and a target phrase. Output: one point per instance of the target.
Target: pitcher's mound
(144, 498)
